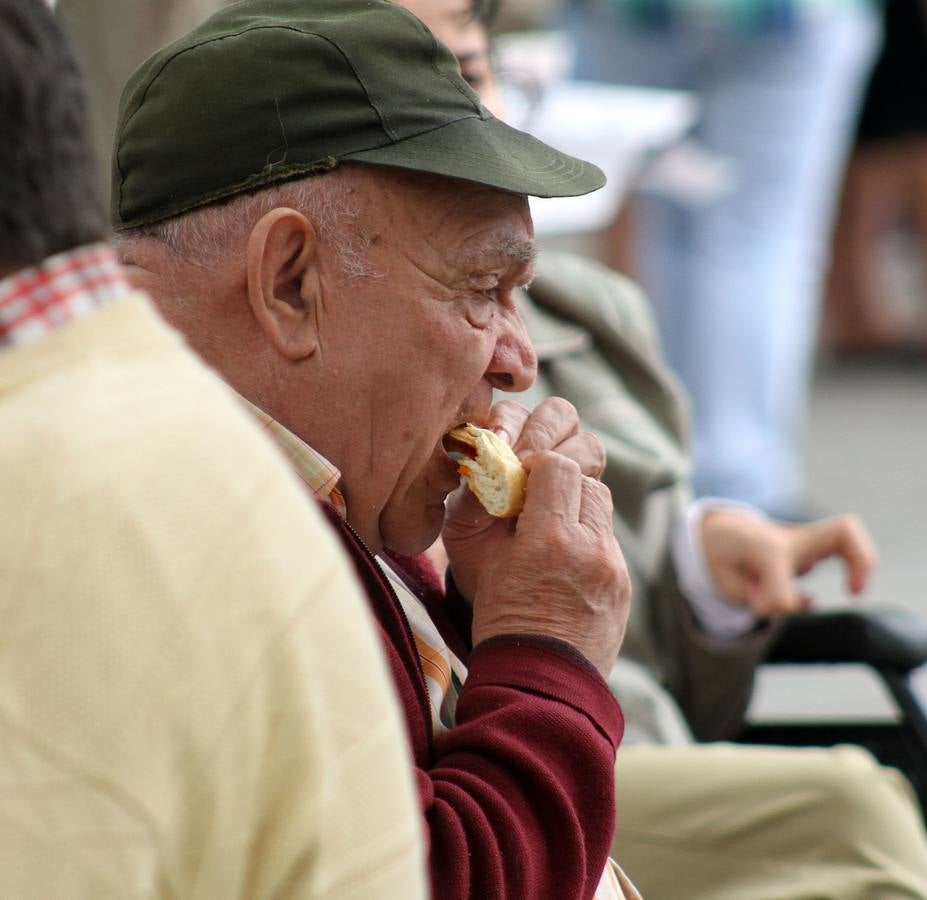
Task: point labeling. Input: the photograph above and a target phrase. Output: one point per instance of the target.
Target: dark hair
(49, 196)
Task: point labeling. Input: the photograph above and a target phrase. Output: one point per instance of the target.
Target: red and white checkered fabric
(61, 289)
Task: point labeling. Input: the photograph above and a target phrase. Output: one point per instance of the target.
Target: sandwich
(490, 467)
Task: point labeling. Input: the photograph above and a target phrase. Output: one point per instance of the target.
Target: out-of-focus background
(861, 445)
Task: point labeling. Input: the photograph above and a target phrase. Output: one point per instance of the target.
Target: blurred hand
(471, 536)
(560, 573)
(754, 561)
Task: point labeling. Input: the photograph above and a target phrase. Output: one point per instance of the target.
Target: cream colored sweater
(193, 702)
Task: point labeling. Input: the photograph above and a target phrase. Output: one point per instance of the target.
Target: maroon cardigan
(519, 796)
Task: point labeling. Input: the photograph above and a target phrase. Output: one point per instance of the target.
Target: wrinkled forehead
(468, 220)
(475, 226)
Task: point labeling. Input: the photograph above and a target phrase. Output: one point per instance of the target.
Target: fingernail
(502, 433)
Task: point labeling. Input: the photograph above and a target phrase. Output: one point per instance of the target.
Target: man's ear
(281, 249)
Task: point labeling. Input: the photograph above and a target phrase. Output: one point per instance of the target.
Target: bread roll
(491, 468)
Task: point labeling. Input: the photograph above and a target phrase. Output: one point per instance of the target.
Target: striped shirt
(444, 672)
(65, 287)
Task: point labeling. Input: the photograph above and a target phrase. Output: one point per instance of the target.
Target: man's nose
(514, 364)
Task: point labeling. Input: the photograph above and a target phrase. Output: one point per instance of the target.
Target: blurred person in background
(736, 280)
(696, 820)
(181, 631)
(885, 195)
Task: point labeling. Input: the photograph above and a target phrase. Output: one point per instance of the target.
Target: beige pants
(728, 822)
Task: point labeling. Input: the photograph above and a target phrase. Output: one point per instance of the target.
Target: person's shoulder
(561, 266)
(121, 384)
(588, 291)
(119, 417)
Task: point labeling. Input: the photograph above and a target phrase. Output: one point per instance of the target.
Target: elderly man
(315, 196)
(181, 632)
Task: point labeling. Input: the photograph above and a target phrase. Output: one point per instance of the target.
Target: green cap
(270, 90)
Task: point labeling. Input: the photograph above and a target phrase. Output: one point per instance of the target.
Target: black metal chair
(893, 643)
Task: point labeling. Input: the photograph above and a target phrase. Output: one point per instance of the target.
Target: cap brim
(489, 152)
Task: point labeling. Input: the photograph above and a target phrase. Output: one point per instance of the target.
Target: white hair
(207, 236)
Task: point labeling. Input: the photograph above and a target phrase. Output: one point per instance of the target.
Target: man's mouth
(450, 463)
(454, 452)
(457, 449)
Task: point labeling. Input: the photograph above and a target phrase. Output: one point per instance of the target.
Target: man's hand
(472, 537)
(561, 573)
(754, 561)
(552, 425)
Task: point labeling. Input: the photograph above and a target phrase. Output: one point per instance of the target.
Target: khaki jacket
(597, 347)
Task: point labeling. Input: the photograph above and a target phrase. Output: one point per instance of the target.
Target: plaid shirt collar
(313, 469)
(65, 287)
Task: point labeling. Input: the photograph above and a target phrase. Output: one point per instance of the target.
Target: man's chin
(413, 532)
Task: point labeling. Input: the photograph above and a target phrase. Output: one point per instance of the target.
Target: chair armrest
(878, 636)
